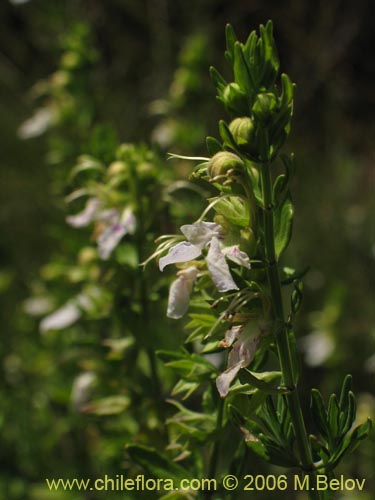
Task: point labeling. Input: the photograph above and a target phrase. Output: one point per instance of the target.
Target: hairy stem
(282, 334)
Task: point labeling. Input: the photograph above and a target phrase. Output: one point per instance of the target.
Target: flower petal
(218, 268)
(231, 335)
(109, 239)
(224, 380)
(87, 215)
(236, 255)
(65, 316)
(182, 252)
(179, 292)
(201, 233)
(244, 348)
(129, 221)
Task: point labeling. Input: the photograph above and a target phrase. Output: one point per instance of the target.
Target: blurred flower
(66, 315)
(82, 389)
(115, 224)
(318, 347)
(243, 341)
(202, 235)
(37, 124)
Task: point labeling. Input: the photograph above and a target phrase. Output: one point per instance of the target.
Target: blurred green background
(149, 81)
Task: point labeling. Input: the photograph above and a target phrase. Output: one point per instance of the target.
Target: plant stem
(282, 333)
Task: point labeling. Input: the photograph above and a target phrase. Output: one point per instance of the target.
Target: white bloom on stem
(88, 214)
(37, 124)
(63, 317)
(179, 292)
(82, 389)
(207, 235)
(114, 231)
(66, 315)
(243, 341)
(115, 224)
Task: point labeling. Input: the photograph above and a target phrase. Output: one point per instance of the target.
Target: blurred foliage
(106, 73)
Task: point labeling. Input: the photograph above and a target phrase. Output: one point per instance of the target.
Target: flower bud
(242, 130)
(264, 106)
(221, 163)
(117, 168)
(235, 99)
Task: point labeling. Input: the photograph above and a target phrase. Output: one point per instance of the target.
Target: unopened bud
(221, 163)
(117, 168)
(235, 99)
(264, 106)
(242, 130)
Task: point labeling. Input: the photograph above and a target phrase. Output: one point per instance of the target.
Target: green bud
(117, 168)
(264, 106)
(235, 99)
(242, 130)
(145, 171)
(221, 163)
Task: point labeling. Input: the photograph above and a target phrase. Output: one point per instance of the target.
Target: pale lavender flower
(116, 224)
(179, 292)
(243, 341)
(209, 235)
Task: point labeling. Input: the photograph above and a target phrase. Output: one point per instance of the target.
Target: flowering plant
(230, 272)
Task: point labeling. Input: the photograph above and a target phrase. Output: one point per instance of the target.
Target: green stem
(282, 334)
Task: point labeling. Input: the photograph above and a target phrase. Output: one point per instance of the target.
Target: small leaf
(231, 39)
(226, 135)
(333, 416)
(283, 225)
(346, 388)
(112, 405)
(234, 209)
(156, 464)
(349, 413)
(213, 146)
(319, 413)
(241, 71)
(218, 80)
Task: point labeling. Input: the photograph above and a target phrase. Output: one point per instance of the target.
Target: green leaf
(350, 442)
(345, 389)
(241, 71)
(283, 225)
(86, 163)
(112, 405)
(155, 463)
(349, 413)
(333, 416)
(319, 413)
(231, 39)
(218, 80)
(262, 381)
(226, 135)
(234, 209)
(213, 146)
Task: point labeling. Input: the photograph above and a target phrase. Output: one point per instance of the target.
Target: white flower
(207, 235)
(116, 224)
(243, 340)
(37, 124)
(65, 316)
(179, 292)
(82, 389)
